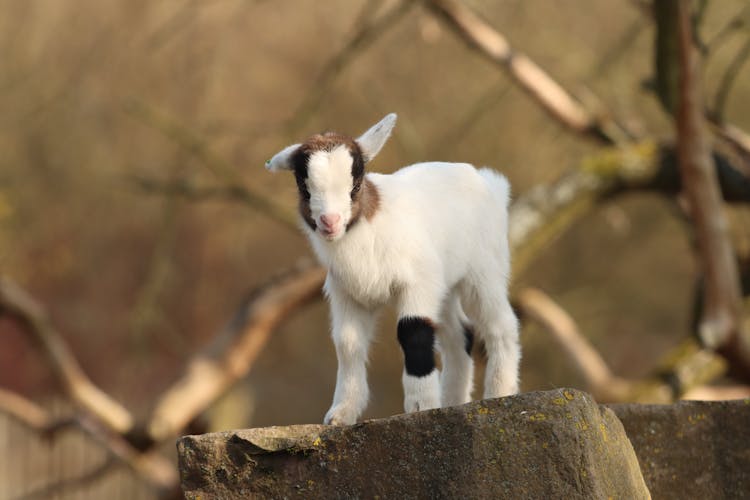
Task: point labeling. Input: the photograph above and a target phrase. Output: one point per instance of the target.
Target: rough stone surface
(691, 449)
(556, 444)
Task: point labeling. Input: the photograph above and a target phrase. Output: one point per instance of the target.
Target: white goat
(434, 237)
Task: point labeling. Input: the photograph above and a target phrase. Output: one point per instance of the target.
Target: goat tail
(499, 186)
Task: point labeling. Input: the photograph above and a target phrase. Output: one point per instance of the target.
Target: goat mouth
(330, 234)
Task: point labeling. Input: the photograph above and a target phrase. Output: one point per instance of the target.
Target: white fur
(437, 245)
(282, 159)
(329, 181)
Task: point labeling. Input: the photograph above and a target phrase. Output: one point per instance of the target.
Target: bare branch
(728, 78)
(152, 467)
(736, 22)
(199, 148)
(666, 61)
(541, 214)
(737, 139)
(455, 135)
(624, 42)
(599, 379)
(70, 483)
(718, 392)
(233, 352)
(720, 325)
(19, 305)
(25, 412)
(146, 313)
(553, 98)
(684, 368)
(194, 192)
(367, 33)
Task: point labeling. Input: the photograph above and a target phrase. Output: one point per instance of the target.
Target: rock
(556, 444)
(692, 449)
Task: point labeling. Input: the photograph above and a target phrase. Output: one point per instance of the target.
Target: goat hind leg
(456, 338)
(499, 329)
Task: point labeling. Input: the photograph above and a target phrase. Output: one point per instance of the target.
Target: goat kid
(432, 236)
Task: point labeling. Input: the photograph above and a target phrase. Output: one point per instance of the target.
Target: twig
(369, 31)
(146, 312)
(728, 78)
(189, 190)
(366, 14)
(25, 412)
(541, 214)
(737, 22)
(720, 325)
(152, 467)
(200, 149)
(645, 7)
(684, 368)
(157, 470)
(19, 305)
(210, 373)
(665, 61)
(624, 42)
(70, 483)
(599, 379)
(718, 392)
(553, 98)
(469, 119)
(735, 137)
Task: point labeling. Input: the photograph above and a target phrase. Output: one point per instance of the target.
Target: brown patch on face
(328, 141)
(366, 202)
(306, 213)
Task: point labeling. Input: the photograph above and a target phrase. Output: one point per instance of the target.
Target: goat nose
(330, 220)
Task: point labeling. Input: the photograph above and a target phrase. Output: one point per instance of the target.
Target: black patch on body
(468, 338)
(417, 339)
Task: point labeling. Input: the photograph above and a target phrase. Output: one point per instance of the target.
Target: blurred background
(105, 104)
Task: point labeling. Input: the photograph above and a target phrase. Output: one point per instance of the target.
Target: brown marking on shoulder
(365, 203)
(369, 199)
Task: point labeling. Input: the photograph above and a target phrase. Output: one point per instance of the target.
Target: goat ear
(372, 141)
(282, 160)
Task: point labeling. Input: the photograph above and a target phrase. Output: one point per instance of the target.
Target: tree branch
(201, 150)
(231, 355)
(194, 192)
(367, 33)
(728, 78)
(26, 412)
(683, 369)
(599, 379)
(70, 483)
(737, 139)
(738, 21)
(540, 215)
(156, 470)
(720, 325)
(552, 97)
(17, 304)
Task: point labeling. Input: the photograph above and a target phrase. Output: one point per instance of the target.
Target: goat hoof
(339, 416)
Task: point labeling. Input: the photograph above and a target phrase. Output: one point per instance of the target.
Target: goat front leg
(418, 313)
(353, 328)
